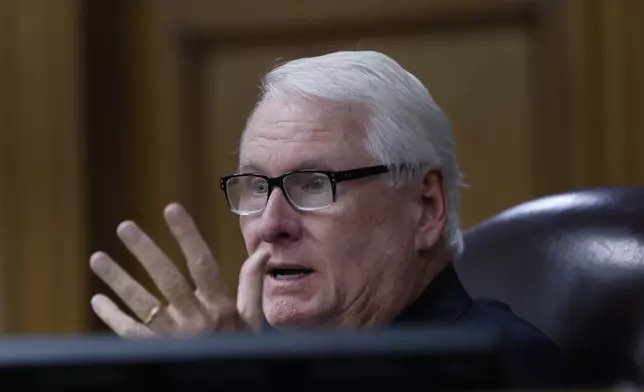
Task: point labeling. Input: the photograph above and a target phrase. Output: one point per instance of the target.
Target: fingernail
(96, 302)
(127, 229)
(264, 248)
(96, 261)
(173, 212)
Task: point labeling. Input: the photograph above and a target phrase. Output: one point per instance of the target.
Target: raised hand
(209, 307)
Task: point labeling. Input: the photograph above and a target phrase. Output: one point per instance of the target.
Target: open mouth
(289, 273)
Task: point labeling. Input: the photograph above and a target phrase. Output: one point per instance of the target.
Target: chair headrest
(572, 264)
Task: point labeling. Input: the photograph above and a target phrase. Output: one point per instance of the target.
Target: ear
(432, 218)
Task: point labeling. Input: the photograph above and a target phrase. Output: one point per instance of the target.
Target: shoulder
(498, 314)
(534, 358)
(517, 331)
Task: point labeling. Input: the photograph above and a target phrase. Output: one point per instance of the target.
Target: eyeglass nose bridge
(277, 182)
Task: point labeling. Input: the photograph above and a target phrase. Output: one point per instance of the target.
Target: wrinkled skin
(368, 251)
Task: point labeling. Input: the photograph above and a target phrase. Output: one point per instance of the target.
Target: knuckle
(128, 331)
(195, 324)
(175, 284)
(128, 292)
(224, 315)
(205, 258)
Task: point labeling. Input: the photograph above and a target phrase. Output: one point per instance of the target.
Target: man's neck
(444, 300)
(434, 262)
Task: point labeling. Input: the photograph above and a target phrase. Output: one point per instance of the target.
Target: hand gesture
(208, 307)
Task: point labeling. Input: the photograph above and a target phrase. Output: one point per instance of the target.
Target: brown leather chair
(573, 265)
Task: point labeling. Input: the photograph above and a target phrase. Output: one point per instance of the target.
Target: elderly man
(347, 193)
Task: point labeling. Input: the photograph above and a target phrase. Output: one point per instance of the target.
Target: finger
(118, 321)
(129, 290)
(201, 263)
(164, 273)
(251, 287)
(162, 320)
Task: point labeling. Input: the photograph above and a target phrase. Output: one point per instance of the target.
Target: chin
(290, 312)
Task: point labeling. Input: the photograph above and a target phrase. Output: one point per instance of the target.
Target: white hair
(405, 125)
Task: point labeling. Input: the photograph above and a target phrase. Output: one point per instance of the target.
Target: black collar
(445, 299)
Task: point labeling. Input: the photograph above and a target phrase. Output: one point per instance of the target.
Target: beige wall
(110, 110)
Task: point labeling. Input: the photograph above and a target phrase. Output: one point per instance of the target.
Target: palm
(208, 308)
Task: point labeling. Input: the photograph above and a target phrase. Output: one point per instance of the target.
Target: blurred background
(110, 110)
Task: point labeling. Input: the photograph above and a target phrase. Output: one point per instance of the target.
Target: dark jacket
(536, 360)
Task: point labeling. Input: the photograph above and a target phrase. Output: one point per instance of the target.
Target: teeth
(289, 275)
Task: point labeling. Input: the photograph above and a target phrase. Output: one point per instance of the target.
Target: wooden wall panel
(5, 123)
(223, 22)
(606, 92)
(42, 254)
(618, 102)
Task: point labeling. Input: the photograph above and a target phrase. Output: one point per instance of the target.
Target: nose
(279, 221)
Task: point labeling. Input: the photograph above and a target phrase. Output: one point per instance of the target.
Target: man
(348, 203)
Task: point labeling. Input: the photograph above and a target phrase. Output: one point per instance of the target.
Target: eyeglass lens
(306, 190)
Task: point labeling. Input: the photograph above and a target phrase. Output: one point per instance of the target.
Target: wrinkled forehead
(297, 133)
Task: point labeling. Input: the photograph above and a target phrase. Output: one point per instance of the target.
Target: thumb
(251, 289)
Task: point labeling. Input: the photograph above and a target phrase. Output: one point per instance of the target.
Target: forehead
(297, 133)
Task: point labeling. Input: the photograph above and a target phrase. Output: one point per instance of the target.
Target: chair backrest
(573, 265)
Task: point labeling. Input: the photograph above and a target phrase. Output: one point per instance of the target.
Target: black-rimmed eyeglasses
(305, 190)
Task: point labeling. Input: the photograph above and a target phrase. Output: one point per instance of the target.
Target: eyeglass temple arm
(363, 172)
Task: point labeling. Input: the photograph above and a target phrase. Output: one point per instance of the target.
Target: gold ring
(153, 313)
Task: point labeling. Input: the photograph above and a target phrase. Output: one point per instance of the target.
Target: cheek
(249, 234)
(335, 241)
(361, 256)
(357, 236)
(381, 227)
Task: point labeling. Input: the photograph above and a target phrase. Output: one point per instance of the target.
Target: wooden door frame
(185, 31)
